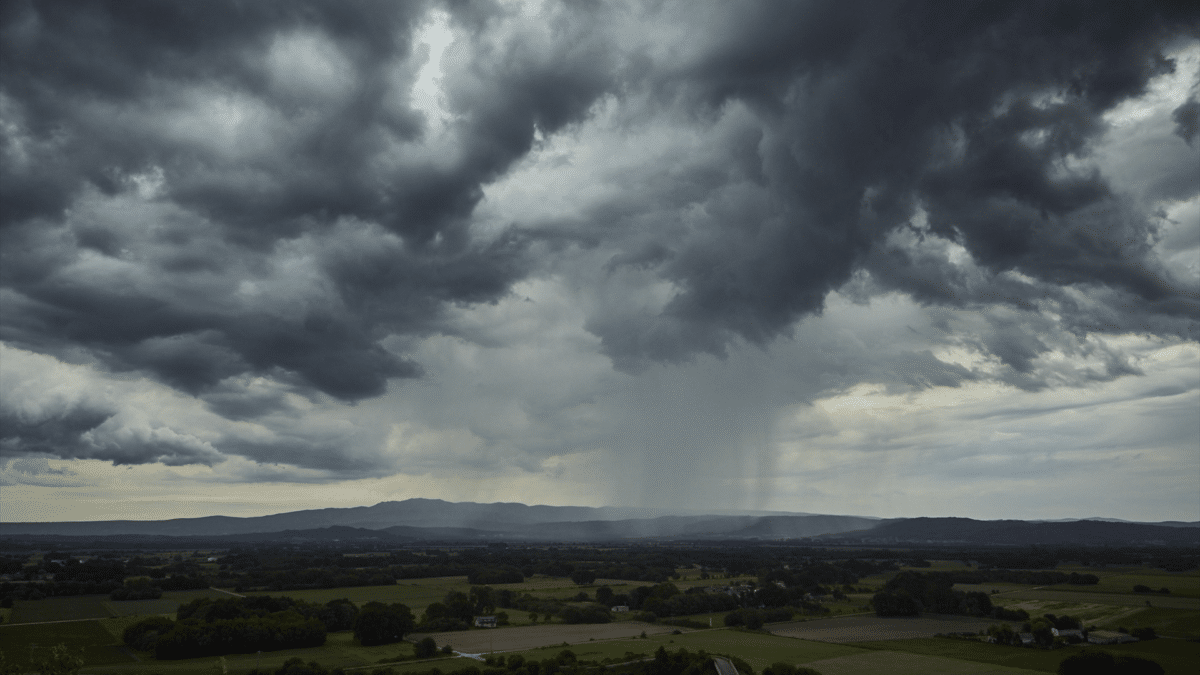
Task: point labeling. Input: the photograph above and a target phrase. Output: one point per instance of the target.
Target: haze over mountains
(415, 520)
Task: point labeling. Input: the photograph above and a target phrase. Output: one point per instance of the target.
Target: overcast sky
(891, 259)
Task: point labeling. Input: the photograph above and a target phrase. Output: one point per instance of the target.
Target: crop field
(717, 618)
(1176, 656)
(1116, 599)
(338, 651)
(532, 637)
(99, 647)
(1174, 622)
(1181, 584)
(866, 628)
(757, 649)
(61, 609)
(1001, 588)
(899, 663)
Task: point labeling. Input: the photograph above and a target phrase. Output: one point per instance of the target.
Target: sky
(893, 259)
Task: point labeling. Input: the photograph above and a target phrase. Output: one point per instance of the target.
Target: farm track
(43, 623)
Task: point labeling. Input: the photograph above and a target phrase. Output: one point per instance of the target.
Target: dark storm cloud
(870, 110)
(210, 192)
(85, 430)
(98, 95)
(51, 433)
(63, 55)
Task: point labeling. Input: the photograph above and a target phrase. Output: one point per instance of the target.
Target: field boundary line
(222, 590)
(43, 623)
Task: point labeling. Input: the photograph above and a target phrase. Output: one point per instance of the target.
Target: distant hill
(410, 512)
(1022, 533)
(430, 520)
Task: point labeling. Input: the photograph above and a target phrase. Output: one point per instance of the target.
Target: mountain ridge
(422, 520)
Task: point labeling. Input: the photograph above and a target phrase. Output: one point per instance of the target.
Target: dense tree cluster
(381, 624)
(137, 588)
(910, 593)
(1027, 577)
(210, 627)
(12, 564)
(755, 618)
(282, 630)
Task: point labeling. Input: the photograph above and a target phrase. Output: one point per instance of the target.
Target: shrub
(137, 588)
(379, 624)
(425, 648)
(899, 603)
(588, 614)
(583, 577)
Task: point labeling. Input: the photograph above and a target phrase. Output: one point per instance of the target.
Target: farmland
(832, 629)
(757, 649)
(873, 628)
(79, 607)
(532, 637)
(1176, 656)
(898, 663)
(98, 645)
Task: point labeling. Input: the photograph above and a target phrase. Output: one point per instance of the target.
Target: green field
(1002, 588)
(902, 663)
(1183, 623)
(1176, 656)
(757, 649)
(1181, 584)
(61, 609)
(99, 647)
(1053, 594)
(103, 655)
